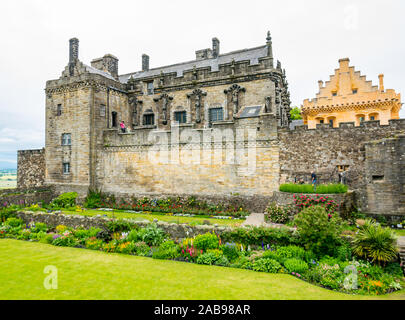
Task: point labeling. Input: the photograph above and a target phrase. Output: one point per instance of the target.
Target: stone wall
(323, 149)
(26, 196)
(174, 230)
(385, 176)
(195, 165)
(30, 168)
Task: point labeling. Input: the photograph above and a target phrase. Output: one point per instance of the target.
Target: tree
(295, 113)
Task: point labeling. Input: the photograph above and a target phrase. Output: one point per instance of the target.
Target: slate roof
(252, 55)
(100, 72)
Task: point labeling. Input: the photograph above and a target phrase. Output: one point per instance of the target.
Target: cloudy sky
(308, 38)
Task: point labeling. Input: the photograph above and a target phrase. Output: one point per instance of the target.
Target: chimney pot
(73, 49)
(145, 62)
(381, 78)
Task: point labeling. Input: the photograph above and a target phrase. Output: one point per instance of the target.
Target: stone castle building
(216, 127)
(348, 96)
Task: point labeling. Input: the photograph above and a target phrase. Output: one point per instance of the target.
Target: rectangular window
(59, 110)
(372, 118)
(361, 119)
(216, 114)
(149, 119)
(180, 116)
(149, 87)
(66, 139)
(320, 121)
(66, 168)
(334, 94)
(331, 123)
(354, 91)
(102, 110)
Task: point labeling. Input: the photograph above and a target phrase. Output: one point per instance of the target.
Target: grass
(309, 188)
(160, 217)
(86, 274)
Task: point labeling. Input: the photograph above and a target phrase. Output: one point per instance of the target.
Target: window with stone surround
(216, 114)
(180, 116)
(66, 139)
(114, 119)
(66, 168)
(354, 91)
(59, 110)
(148, 119)
(149, 87)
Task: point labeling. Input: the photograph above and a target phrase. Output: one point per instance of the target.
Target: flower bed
(190, 205)
(258, 249)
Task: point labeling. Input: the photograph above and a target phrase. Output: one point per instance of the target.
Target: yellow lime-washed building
(349, 97)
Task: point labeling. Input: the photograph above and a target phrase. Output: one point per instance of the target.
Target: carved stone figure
(165, 105)
(133, 102)
(268, 107)
(197, 94)
(234, 90)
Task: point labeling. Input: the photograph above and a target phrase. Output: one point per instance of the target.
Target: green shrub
(318, 230)
(207, 258)
(165, 254)
(151, 235)
(266, 265)
(93, 199)
(65, 200)
(259, 236)
(309, 188)
(14, 222)
(375, 243)
(231, 251)
(141, 249)
(119, 225)
(39, 227)
(394, 269)
(291, 252)
(269, 254)
(276, 213)
(296, 265)
(206, 241)
(344, 252)
(222, 261)
(64, 241)
(243, 263)
(8, 212)
(83, 234)
(46, 238)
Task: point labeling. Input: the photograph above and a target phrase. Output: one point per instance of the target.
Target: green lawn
(86, 274)
(160, 217)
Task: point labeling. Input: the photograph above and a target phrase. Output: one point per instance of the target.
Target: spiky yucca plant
(375, 243)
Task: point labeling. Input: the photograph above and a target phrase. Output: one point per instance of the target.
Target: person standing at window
(123, 127)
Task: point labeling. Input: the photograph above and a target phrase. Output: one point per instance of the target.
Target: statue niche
(165, 98)
(133, 103)
(234, 91)
(197, 94)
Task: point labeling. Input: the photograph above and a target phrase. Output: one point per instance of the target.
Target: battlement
(395, 124)
(33, 151)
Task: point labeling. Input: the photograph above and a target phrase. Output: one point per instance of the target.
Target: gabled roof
(251, 55)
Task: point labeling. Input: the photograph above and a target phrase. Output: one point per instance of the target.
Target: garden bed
(300, 254)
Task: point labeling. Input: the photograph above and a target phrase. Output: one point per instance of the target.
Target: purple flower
(56, 236)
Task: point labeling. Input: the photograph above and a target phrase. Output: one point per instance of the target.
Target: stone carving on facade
(165, 105)
(133, 103)
(235, 90)
(197, 94)
(268, 106)
(131, 84)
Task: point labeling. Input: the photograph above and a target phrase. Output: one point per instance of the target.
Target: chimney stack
(73, 50)
(320, 83)
(145, 62)
(215, 47)
(381, 78)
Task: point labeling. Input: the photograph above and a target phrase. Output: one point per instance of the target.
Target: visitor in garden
(313, 179)
(123, 128)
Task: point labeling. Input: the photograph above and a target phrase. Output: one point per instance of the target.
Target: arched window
(360, 118)
(373, 116)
